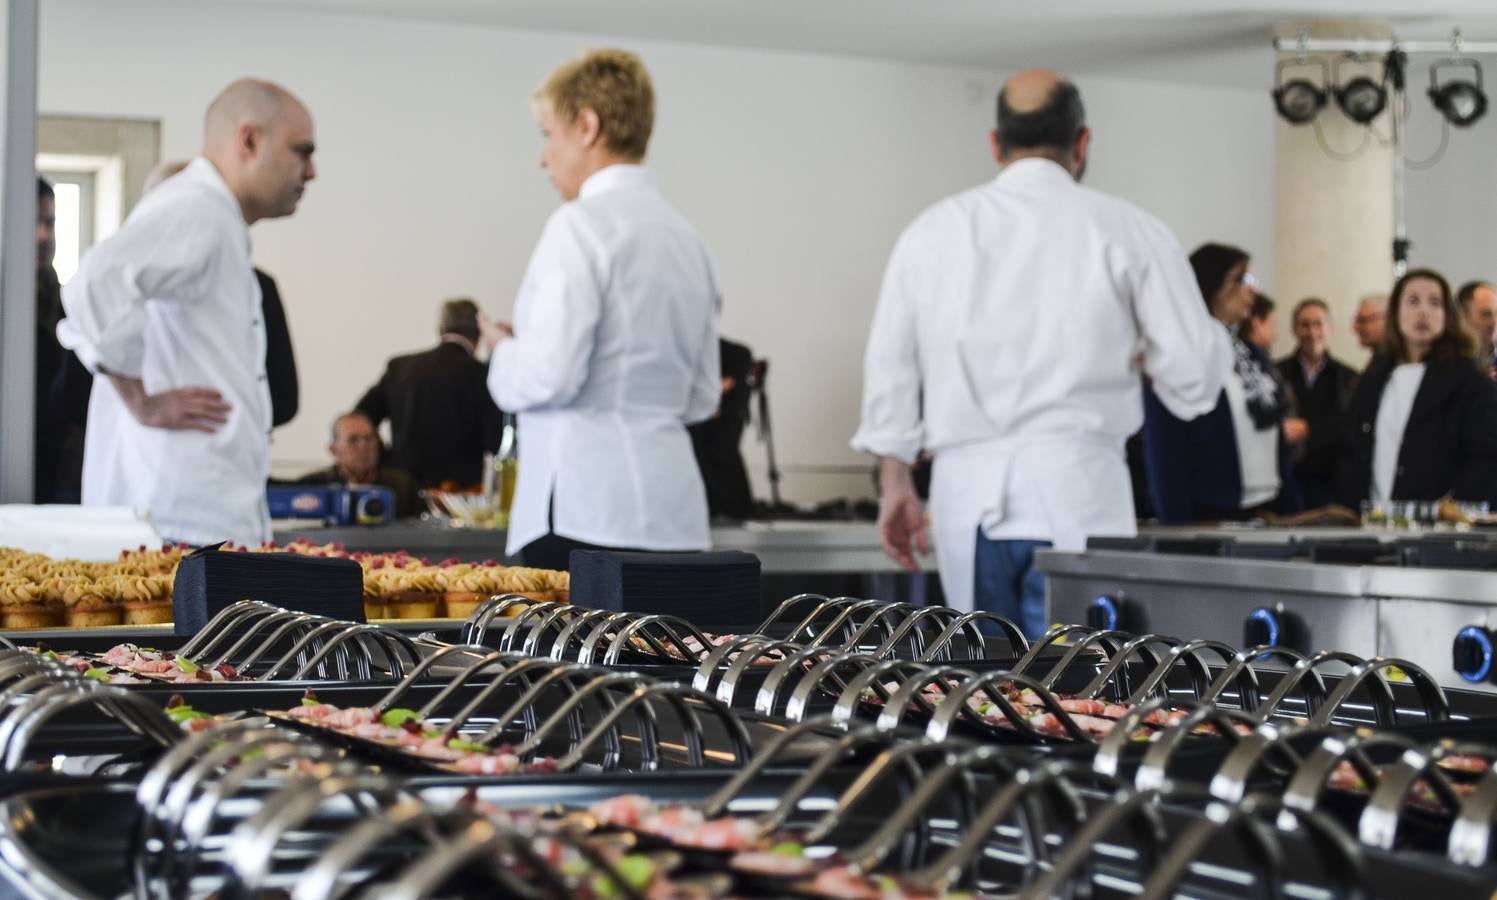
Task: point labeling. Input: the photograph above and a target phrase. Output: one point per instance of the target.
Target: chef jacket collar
(620, 175)
(201, 169)
(1034, 169)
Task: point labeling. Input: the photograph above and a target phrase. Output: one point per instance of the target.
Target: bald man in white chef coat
(1004, 343)
(168, 312)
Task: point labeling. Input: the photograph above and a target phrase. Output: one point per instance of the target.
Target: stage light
(1362, 99)
(1299, 100)
(1461, 102)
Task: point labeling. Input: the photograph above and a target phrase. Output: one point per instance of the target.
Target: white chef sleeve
(1187, 354)
(165, 253)
(546, 363)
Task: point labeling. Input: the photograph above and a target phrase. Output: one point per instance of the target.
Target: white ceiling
(1145, 38)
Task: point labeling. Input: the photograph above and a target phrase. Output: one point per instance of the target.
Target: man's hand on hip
(180, 409)
(901, 515)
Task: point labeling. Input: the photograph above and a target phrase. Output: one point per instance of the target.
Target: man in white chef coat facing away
(167, 314)
(1004, 343)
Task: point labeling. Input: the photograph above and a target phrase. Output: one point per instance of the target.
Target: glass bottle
(506, 469)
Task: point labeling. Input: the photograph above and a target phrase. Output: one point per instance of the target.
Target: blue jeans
(1007, 583)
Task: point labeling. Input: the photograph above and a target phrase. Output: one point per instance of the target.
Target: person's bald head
(1369, 322)
(259, 137)
(1040, 114)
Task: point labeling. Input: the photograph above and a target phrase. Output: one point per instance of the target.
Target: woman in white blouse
(613, 351)
(1424, 416)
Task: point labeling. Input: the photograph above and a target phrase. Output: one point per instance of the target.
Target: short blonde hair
(615, 85)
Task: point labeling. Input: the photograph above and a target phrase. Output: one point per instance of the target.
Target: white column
(18, 251)
(1333, 217)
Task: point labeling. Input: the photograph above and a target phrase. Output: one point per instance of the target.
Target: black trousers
(552, 551)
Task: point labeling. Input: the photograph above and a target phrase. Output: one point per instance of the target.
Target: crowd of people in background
(1419, 422)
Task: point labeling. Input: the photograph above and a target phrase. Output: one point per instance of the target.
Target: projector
(333, 504)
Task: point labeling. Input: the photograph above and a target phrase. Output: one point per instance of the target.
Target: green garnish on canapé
(183, 713)
(187, 665)
(469, 746)
(636, 870)
(394, 718)
(97, 674)
(788, 848)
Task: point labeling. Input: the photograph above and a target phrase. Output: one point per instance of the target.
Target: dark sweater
(1193, 468)
(1449, 446)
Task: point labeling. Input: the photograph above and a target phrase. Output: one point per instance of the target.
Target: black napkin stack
(209, 580)
(717, 591)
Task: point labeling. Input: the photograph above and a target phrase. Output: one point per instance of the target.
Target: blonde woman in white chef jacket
(613, 350)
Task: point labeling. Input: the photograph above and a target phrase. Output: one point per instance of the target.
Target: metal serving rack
(243, 809)
(805, 622)
(571, 714)
(261, 642)
(904, 750)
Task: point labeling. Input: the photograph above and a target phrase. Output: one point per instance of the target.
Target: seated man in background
(442, 419)
(355, 450)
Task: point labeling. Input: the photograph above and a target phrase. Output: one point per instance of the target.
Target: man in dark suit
(442, 419)
(354, 445)
(58, 449)
(1322, 389)
(716, 441)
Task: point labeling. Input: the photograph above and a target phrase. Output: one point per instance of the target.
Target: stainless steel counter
(782, 547)
(1411, 613)
(1238, 574)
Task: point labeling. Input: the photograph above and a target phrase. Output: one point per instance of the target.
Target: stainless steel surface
(1409, 613)
(18, 251)
(1201, 598)
(1422, 630)
(1444, 585)
(812, 546)
(787, 546)
(1247, 574)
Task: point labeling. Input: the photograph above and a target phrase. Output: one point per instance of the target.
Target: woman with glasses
(1232, 462)
(1424, 416)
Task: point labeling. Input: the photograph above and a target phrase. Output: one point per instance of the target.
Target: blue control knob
(1471, 653)
(1102, 614)
(1262, 628)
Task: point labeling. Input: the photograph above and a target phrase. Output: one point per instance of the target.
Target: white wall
(1452, 207)
(799, 171)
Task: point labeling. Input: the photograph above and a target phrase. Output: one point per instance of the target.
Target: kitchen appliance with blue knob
(1471, 654)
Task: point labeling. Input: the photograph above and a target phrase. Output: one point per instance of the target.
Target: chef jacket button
(255, 322)
(1366, 427)
(262, 377)
(1400, 470)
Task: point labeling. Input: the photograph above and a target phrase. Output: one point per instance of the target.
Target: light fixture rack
(1456, 46)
